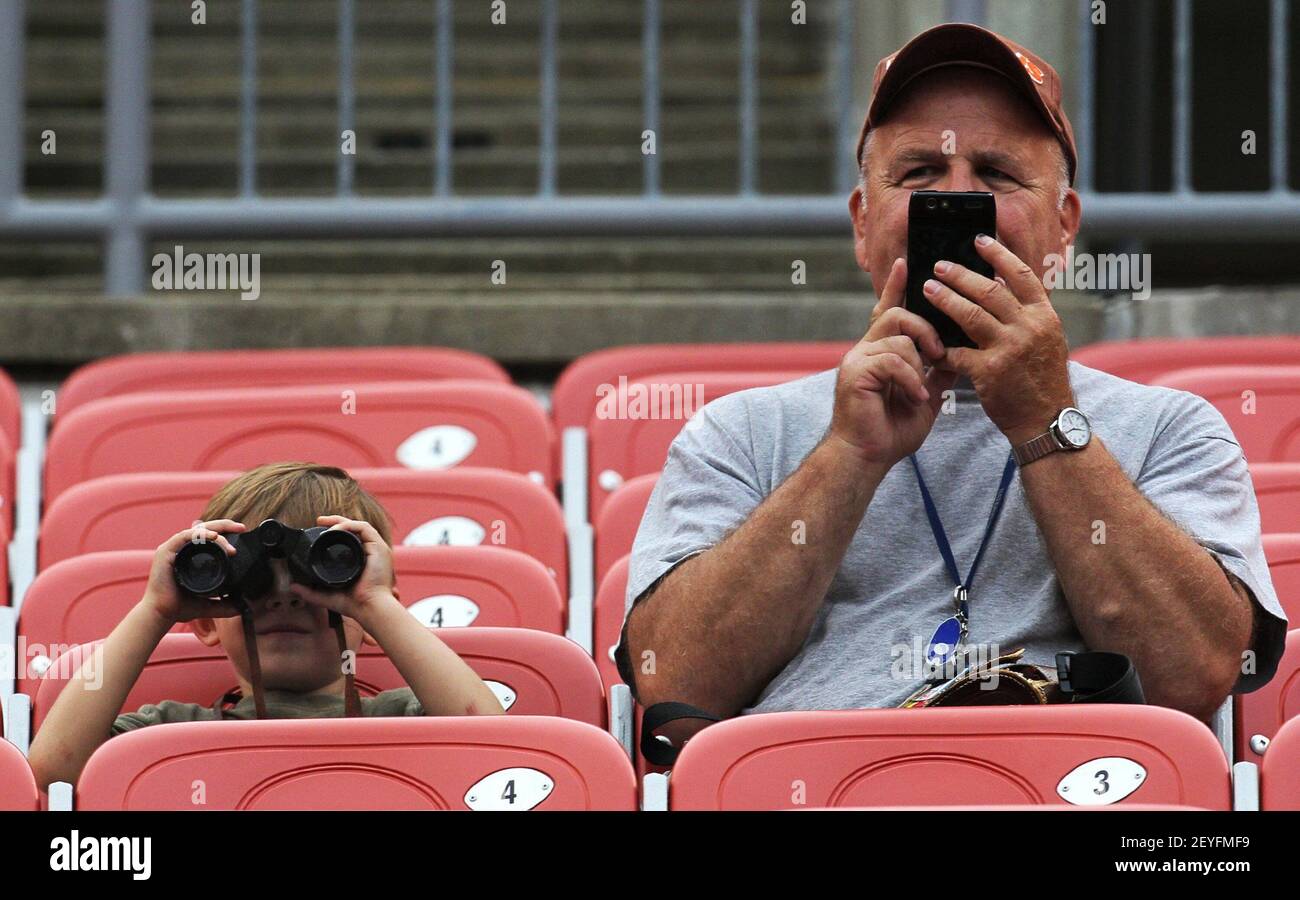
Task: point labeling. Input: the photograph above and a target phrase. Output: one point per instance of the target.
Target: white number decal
(1101, 782)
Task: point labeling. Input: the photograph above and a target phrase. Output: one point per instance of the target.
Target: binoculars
(320, 558)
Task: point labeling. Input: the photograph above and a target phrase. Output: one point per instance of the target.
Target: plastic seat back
(458, 507)
(631, 436)
(432, 425)
(135, 373)
(1149, 359)
(1279, 780)
(451, 763)
(1260, 403)
(1076, 754)
(577, 391)
(620, 518)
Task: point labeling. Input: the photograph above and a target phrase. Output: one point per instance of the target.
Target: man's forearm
(723, 623)
(1136, 583)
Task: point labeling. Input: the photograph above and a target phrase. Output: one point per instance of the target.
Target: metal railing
(128, 215)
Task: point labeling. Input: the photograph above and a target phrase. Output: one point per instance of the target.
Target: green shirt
(279, 705)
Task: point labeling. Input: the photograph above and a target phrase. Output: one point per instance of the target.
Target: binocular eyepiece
(321, 558)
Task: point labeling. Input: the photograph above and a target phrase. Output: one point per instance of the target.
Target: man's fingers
(884, 369)
(987, 292)
(901, 345)
(1018, 275)
(892, 294)
(970, 317)
(897, 320)
(960, 361)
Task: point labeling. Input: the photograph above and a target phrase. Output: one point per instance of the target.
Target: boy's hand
(165, 598)
(372, 589)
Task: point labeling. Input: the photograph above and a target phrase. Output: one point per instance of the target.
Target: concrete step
(517, 327)
(311, 15)
(177, 131)
(357, 285)
(493, 172)
(465, 262)
(86, 88)
(474, 58)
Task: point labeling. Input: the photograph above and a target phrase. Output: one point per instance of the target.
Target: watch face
(1074, 428)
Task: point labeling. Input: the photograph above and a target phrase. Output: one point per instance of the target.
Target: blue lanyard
(941, 538)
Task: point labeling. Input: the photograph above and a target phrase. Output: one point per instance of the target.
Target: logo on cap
(1033, 70)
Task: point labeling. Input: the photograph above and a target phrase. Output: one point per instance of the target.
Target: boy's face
(296, 646)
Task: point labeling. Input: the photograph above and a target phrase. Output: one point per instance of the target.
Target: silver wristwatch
(1070, 430)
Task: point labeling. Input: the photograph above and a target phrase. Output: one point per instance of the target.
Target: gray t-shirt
(892, 588)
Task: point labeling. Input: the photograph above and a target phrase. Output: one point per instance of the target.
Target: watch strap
(1036, 448)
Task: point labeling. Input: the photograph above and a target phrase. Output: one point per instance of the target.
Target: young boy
(301, 664)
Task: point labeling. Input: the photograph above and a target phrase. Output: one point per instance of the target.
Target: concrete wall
(553, 328)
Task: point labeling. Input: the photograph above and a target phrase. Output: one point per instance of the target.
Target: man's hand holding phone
(1020, 367)
(888, 392)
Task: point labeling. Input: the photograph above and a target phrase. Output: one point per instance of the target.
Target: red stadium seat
(196, 370)
(1277, 488)
(1261, 713)
(624, 446)
(619, 519)
(1279, 779)
(75, 602)
(576, 392)
(608, 626)
(82, 599)
(8, 477)
(451, 587)
(452, 763)
(1283, 554)
(460, 507)
(4, 562)
(1150, 359)
(416, 425)
(1266, 420)
(11, 411)
(10, 441)
(535, 673)
(17, 783)
(610, 603)
(999, 756)
(1041, 807)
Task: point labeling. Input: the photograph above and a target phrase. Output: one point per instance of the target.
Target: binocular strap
(254, 663)
(351, 699)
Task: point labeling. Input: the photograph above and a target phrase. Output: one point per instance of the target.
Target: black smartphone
(943, 225)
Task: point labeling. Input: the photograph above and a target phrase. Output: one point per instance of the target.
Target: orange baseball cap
(959, 44)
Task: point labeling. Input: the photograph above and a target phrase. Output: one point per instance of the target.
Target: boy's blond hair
(296, 493)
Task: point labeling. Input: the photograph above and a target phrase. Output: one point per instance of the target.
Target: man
(787, 559)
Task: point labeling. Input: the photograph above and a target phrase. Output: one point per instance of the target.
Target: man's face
(998, 143)
(297, 649)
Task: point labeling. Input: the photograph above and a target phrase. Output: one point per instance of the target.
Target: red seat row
(1076, 757)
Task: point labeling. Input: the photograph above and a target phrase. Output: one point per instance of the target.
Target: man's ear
(861, 226)
(1071, 215)
(206, 631)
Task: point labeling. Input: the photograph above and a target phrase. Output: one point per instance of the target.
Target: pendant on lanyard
(950, 637)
